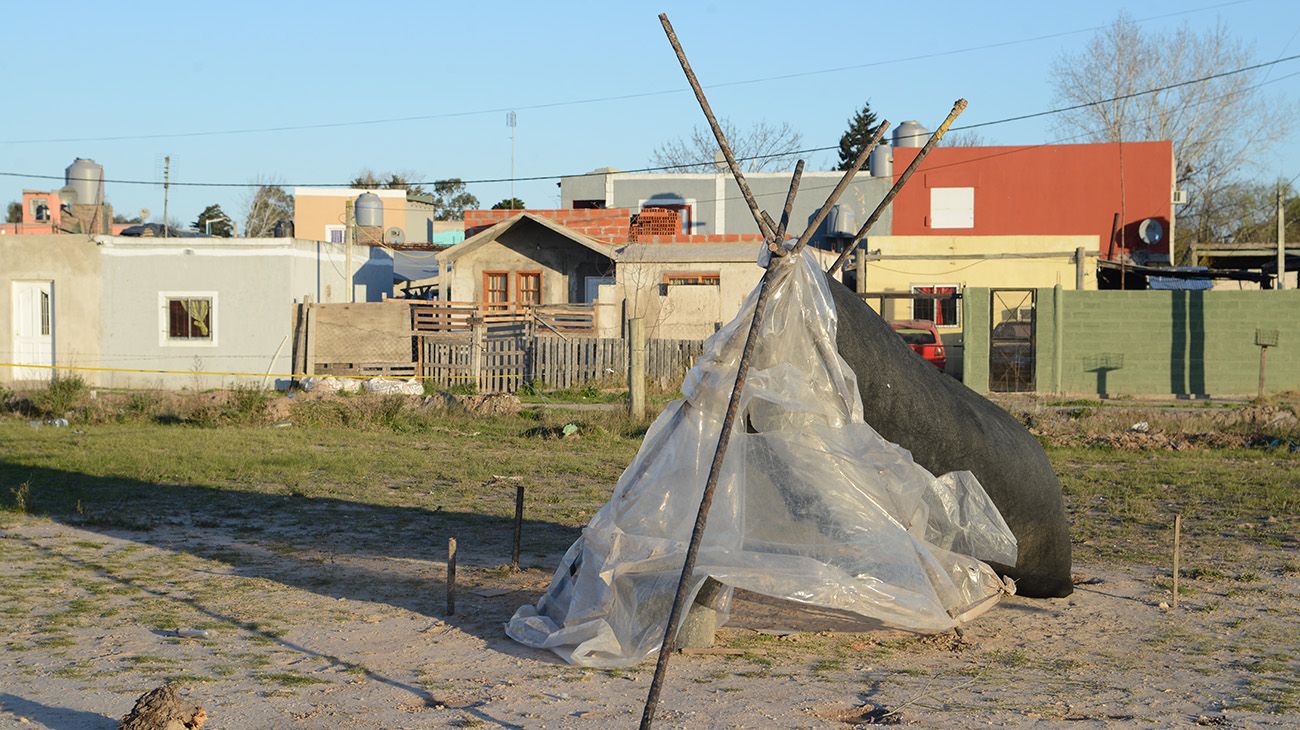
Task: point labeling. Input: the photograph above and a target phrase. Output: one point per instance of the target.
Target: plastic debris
(386, 386)
(1140, 427)
(813, 507)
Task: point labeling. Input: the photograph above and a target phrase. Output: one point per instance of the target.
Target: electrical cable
(602, 99)
(661, 168)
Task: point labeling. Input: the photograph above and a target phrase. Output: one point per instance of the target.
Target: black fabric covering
(949, 427)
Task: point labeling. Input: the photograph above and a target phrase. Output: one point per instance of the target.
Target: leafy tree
(213, 215)
(510, 204)
(399, 180)
(1218, 127)
(14, 212)
(268, 205)
(122, 218)
(760, 147)
(862, 127)
(451, 199)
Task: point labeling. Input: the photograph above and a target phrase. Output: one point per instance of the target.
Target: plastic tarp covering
(812, 505)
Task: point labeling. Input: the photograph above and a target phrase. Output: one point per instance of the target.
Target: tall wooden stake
(1178, 529)
(519, 526)
(451, 576)
(167, 177)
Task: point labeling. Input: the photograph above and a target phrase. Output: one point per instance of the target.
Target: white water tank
(881, 161)
(910, 134)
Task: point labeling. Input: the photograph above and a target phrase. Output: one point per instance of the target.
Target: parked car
(923, 338)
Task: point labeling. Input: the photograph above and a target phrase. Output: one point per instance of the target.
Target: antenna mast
(510, 122)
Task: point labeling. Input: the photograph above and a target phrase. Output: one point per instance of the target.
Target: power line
(663, 168)
(603, 99)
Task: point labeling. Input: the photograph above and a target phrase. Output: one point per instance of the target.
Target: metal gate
(1012, 350)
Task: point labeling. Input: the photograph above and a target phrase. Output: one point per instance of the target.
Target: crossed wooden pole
(774, 234)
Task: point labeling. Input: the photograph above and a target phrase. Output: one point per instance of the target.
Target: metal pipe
(957, 109)
(763, 221)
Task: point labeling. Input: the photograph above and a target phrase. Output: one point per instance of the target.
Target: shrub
(59, 397)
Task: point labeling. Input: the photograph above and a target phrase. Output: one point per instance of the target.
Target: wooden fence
(504, 364)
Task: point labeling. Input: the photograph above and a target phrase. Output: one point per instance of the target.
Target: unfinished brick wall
(603, 224)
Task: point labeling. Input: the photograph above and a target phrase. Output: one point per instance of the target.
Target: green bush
(245, 404)
(60, 396)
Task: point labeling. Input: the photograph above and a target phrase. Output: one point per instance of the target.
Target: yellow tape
(248, 375)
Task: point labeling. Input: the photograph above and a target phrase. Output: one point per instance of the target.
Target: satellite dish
(1151, 231)
(394, 234)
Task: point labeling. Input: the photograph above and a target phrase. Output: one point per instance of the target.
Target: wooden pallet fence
(549, 363)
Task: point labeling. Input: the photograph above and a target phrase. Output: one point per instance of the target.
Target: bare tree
(267, 204)
(965, 139)
(1217, 126)
(761, 147)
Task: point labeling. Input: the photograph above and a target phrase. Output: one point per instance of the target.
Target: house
(1045, 190)
(320, 214)
(45, 212)
(168, 313)
(685, 286)
(711, 203)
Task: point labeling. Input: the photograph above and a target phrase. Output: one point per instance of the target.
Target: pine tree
(862, 127)
(221, 224)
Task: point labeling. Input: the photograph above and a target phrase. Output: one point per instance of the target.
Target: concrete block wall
(1158, 343)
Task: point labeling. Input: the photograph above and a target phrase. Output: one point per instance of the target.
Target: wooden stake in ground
(451, 576)
(519, 526)
(1178, 528)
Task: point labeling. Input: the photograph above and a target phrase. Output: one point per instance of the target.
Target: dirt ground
(363, 641)
(324, 603)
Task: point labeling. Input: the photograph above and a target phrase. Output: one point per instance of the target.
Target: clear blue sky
(94, 70)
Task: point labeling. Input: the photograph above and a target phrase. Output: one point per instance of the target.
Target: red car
(924, 340)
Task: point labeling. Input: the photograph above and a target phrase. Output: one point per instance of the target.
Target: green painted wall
(975, 332)
(1151, 342)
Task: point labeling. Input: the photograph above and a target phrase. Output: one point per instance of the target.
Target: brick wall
(603, 224)
(612, 225)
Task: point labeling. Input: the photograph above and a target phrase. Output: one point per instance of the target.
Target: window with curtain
(189, 318)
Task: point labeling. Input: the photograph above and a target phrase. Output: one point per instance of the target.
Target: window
(952, 207)
(45, 313)
(334, 234)
(588, 204)
(943, 312)
(496, 289)
(40, 210)
(692, 278)
(189, 319)
(528, 285)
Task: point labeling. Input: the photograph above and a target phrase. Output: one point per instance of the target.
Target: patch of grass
(828, 665)
(1008, 658)
(291, 679)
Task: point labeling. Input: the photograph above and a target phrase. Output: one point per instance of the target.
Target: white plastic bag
(387, 386)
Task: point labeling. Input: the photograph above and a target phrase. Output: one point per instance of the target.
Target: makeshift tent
(812, 507)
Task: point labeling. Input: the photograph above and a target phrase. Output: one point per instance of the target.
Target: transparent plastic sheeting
(812, 505)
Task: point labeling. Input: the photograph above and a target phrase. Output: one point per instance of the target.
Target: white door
(33, 328)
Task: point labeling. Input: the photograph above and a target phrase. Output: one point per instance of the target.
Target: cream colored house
(939, 264)
(320, 214)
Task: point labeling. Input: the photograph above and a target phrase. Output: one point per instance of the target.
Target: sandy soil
(326, 639)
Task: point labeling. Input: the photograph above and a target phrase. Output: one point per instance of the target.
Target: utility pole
(1281, 239)
(510, 122)
(167, 170)
(349, 233)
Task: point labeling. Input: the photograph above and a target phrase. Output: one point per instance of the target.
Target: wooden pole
(519, 526)
(349, 233)
(958, 107)
(451, 576)
(1178, 528)
(476, 352)
(1263, 360)
(636, 367)
(1281, 241)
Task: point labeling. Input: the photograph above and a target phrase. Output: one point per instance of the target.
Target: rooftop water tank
(86, 178)
(370, 211)
(910, 134)
(881, 162)
(842, 222)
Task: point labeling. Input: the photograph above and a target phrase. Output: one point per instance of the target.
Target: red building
(1044, 189)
